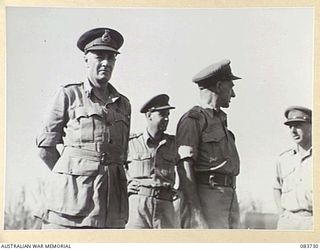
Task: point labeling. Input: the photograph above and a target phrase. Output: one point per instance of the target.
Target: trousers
(219, 206)
(150, 212)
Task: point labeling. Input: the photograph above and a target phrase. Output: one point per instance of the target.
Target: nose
(233, 94)
(292, 128)
(104, 62)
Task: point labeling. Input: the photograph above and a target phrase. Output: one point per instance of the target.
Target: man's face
(159, 119)
(100, 64)
(300, 132)
(225, 92)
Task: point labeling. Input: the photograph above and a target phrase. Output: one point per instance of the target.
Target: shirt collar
(213, 112)
(113, 93)
(308, 153)
(146, 137)
(205, 105)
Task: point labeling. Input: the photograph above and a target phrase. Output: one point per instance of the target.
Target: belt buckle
(103, 158)
(156, 192)
(212, 183)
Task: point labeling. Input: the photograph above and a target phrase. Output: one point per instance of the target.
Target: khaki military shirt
(294, 180)
(152, 166)
(85, 189)
(202, 135)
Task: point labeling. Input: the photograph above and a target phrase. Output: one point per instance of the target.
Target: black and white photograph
(159, 118)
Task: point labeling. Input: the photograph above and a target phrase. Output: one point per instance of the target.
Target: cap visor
(236, 77)
(294, 120)
(101, 47)
(162, 108)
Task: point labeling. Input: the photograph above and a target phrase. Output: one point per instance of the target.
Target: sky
(271, 49)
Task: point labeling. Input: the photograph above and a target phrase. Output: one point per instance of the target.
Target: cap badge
(106, 36)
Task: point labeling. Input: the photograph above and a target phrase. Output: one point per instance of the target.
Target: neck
(97, 84)
(303, 147)
(100, 89)
(209, 98)
(155, 133)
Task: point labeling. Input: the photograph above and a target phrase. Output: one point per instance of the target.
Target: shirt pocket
(90, 121)
(71, 186)
(140, 165)
(214, 147)
(165, 167)
(119, 129)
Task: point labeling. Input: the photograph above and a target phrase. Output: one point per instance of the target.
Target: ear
(85, 58)
(218, 86)
(148, 115)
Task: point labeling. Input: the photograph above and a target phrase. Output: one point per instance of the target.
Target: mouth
(295, 137)
(104, 70)
(164, 125)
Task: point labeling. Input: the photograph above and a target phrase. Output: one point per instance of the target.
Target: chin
(162, 129)
(297, 141)
(225, 106)
(103, 80)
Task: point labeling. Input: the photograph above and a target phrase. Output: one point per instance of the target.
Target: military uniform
(85, 178)
(294, 181)
(152, 165)
(203, 137)
(88, 186)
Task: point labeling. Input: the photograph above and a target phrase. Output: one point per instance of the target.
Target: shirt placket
(106, 124)
(155, 170)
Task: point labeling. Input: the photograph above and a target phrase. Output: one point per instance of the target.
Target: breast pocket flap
(141, 156)
(87, 112)
(213, 136)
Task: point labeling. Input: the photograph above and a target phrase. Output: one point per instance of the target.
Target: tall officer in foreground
(151, 170)
(209, 161)
(293, 187)
(91, 119)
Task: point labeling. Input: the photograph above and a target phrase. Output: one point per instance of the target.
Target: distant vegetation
(19, 214)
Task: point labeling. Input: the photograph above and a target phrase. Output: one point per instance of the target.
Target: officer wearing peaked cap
(157, 103)
(297, 114)
(151, 170)
(293, 190)
(209, 161)
(104, 39)
(88, 187)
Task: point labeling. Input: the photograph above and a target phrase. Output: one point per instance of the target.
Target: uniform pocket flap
(87, 111)
(169, 157)
(77, 166)
(213, 136)
(141, 156)
(118, 117)
(94, 110)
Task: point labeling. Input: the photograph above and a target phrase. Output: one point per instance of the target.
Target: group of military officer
(106, 178)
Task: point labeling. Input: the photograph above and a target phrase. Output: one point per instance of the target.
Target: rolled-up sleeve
(54, 122)
(187, 138)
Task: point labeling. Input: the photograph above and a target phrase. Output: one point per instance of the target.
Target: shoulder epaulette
(125, 98)
(134, 135)
(194, 113)
(71, 84)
